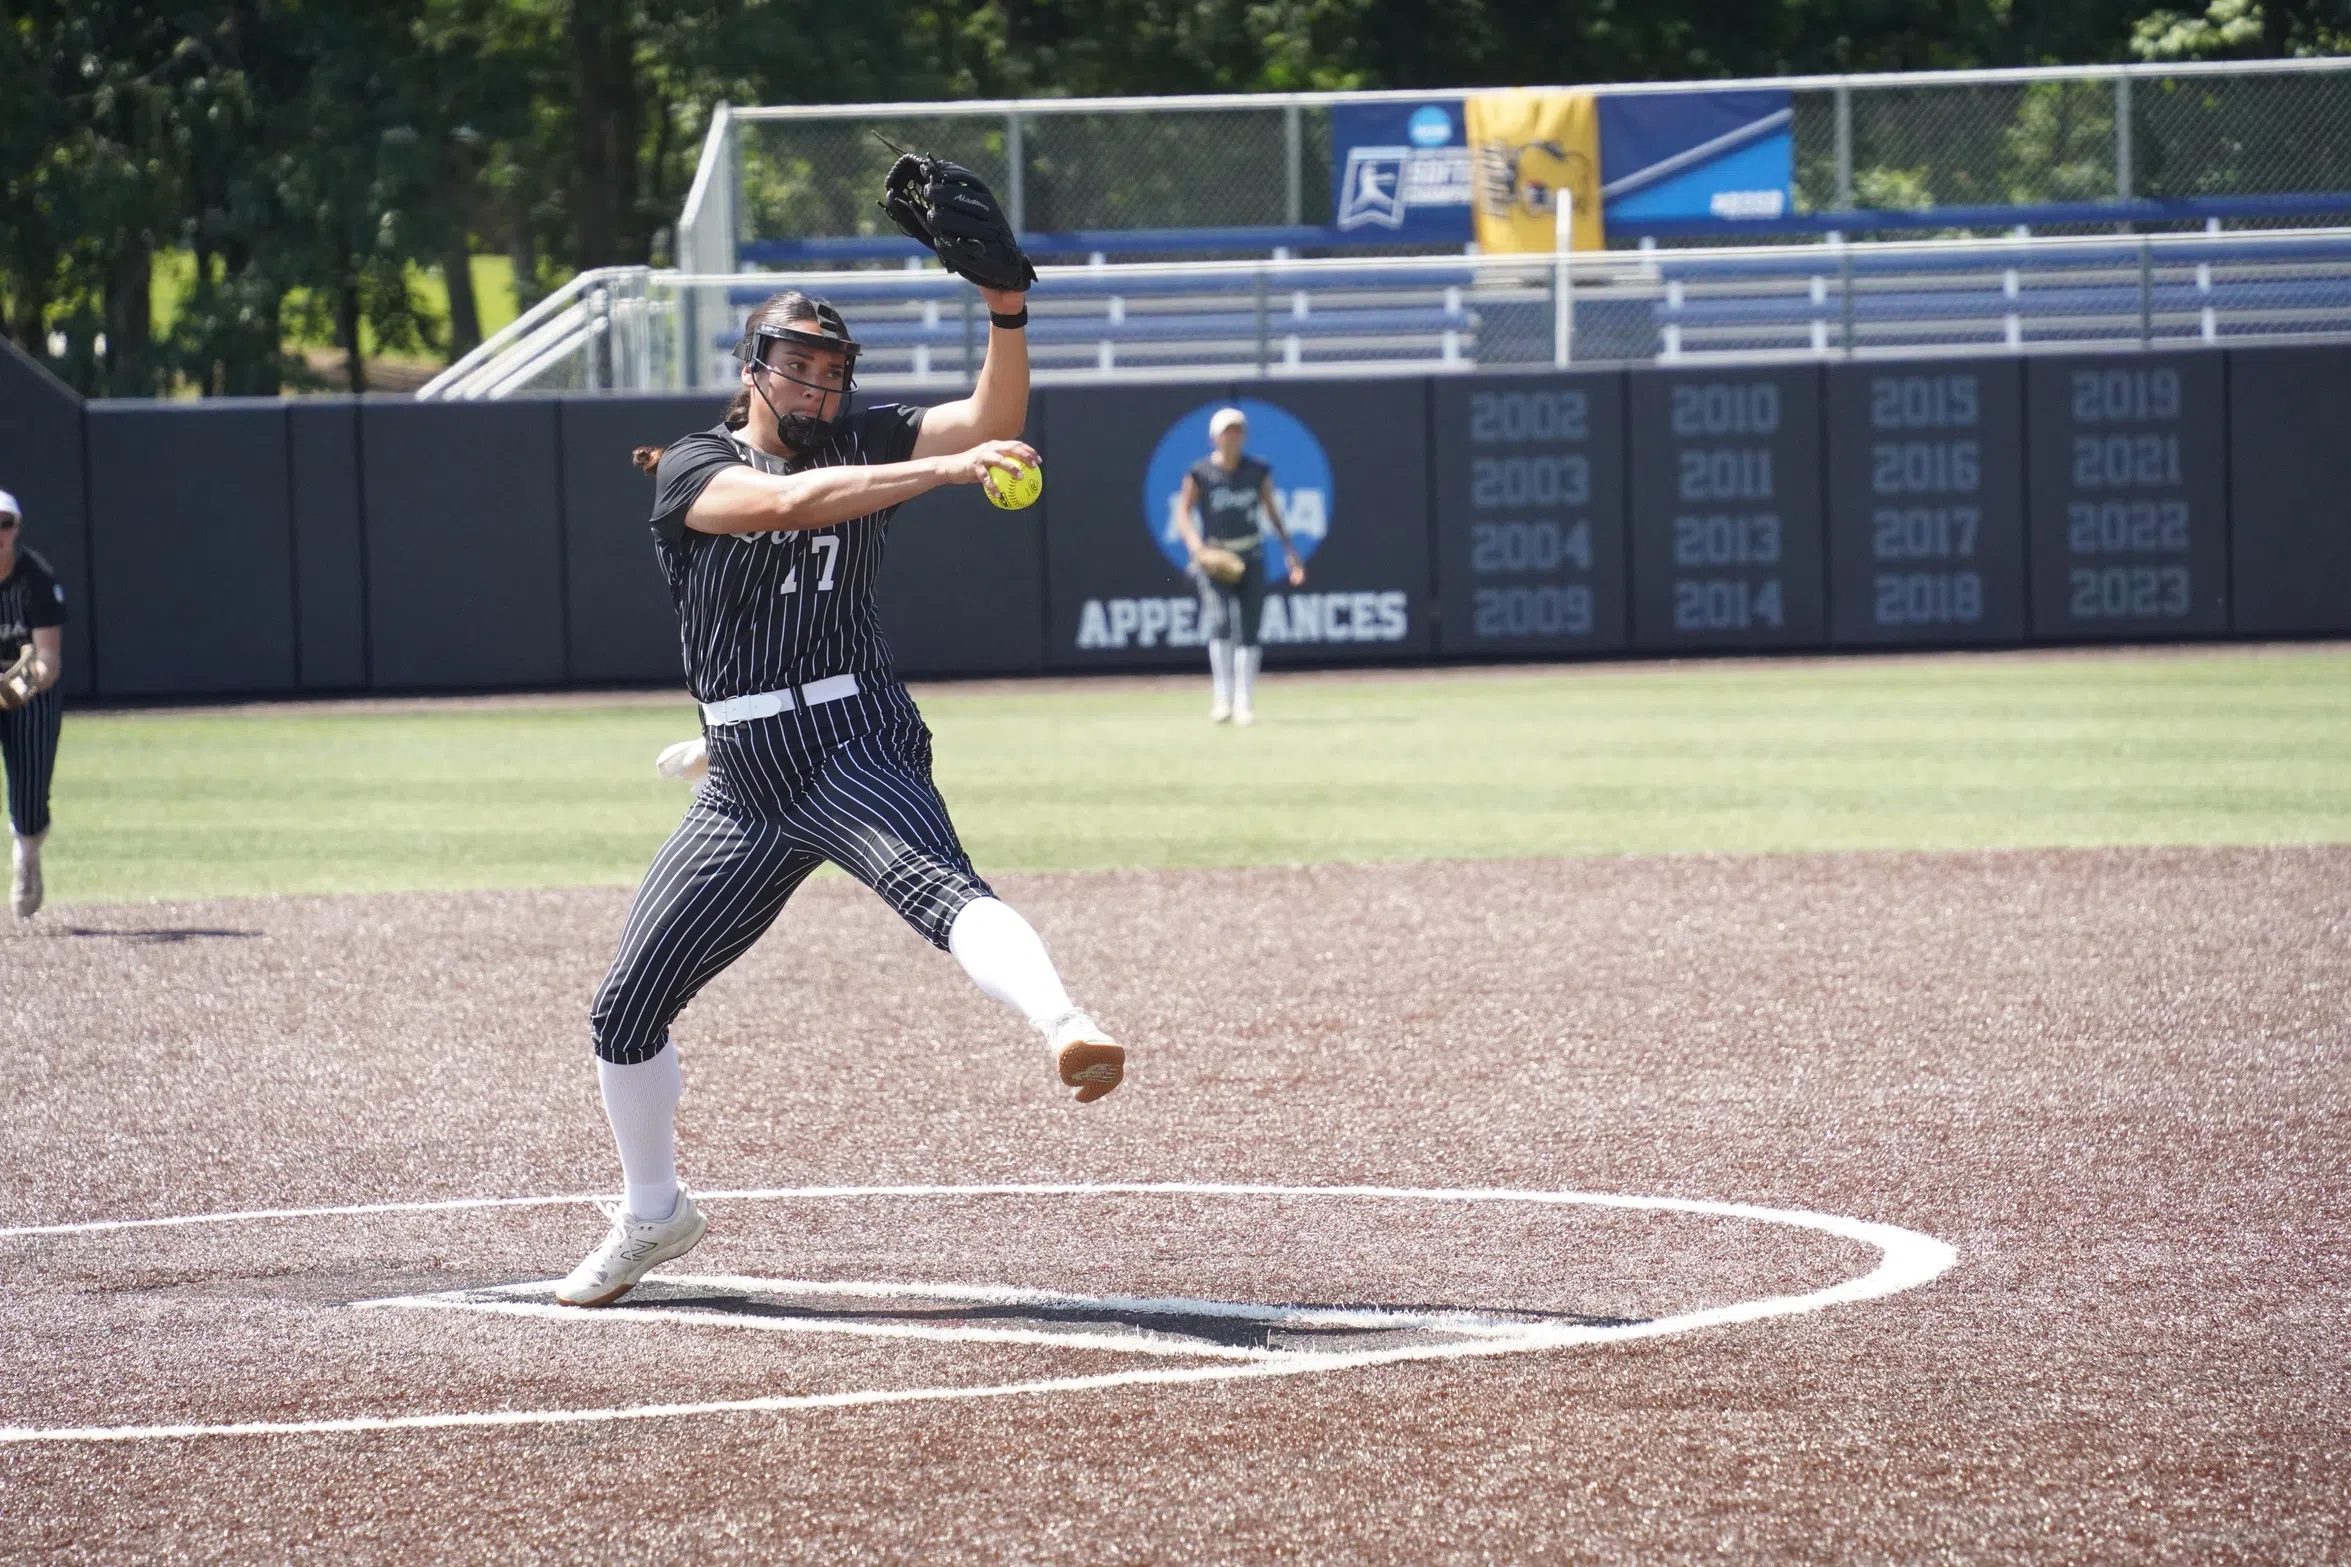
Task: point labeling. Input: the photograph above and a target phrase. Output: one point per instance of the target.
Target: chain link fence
(1056, 172)
(1911, 143)
(2226, 135)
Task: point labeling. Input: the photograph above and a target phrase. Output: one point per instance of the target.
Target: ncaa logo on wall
(1302, 484)
(1277, 438)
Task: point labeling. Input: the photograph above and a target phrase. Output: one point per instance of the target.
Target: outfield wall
(265, 547)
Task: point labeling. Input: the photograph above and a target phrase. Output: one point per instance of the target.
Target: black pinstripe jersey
(29, 597)
(775, 611)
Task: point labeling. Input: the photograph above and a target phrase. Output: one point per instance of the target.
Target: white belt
(766, 704)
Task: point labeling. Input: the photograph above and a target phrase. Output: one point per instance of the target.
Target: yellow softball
(1016, 489)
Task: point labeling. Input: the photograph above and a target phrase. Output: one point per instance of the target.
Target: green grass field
(2227, 747)
(174, 277)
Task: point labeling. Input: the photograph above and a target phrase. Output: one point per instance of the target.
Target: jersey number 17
(831, 545)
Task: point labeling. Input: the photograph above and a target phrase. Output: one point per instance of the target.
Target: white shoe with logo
(1084, 1056)
(24, 878)
(1219, 710)
(633, 1248)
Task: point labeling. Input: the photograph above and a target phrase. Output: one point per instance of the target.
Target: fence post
(599, 344)
(731, 215)
(1294, 150)
(1844, 145)
(1262, 350)
(2146, 292)
(1845, 291)
(969, 333)
(1016, 195)
(2123, 181)
(1562, 284)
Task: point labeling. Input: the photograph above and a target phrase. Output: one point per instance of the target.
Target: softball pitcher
(770, 528)
(1226, 490)
(32, 656)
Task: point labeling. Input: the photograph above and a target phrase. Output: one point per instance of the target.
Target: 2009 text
(1534, 612)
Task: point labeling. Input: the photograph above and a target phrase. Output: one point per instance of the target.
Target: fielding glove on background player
(21, 681)
(1224, 567)
(950, 209)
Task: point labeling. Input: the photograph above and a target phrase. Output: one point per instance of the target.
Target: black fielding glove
(949, 209)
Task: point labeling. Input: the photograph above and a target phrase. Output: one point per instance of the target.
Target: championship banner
(1526, 146)
(1401, 170)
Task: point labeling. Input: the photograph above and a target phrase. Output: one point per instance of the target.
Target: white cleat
(1219, 711)
(24, 876)
(1085, 1058)
(633, 1248)
(1243, 714)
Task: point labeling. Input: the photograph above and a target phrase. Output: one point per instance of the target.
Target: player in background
(770, 529)
(32, 616)
(1226, 490)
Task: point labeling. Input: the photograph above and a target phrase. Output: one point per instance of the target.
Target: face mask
(803, 431)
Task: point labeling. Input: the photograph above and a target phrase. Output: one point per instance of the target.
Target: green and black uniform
(1228, 505)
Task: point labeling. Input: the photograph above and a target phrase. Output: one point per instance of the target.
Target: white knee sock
(1004, 958)
(641, 1102)
(1220, 670)
(1245, 661)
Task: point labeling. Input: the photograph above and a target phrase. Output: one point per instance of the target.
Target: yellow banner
(1526, 147)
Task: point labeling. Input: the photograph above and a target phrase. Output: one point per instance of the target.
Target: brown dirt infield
(2114, 1081)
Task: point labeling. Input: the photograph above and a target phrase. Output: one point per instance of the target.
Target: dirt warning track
(1224, 1315)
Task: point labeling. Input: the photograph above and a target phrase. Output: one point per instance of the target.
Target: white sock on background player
(1005, 958)
(1245, 661)
(1220, 675)
(641, 1102)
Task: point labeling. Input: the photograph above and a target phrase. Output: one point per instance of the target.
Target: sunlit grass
(1944, 753)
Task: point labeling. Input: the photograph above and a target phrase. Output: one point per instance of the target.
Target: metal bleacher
(637, 329)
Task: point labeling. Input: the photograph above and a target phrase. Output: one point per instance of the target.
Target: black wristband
(1010, 323)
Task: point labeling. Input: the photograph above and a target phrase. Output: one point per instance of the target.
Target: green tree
(313, 154)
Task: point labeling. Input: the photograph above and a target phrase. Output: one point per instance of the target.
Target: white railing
(637, 330)
(2005, 75)
(602, 331)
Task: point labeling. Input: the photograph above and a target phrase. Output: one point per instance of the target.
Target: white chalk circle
(1906, 1260)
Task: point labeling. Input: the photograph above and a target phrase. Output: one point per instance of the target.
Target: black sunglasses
(8, 522)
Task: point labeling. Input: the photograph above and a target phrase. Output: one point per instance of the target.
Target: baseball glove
(21, 681)
(947, 207)
(1224, 567)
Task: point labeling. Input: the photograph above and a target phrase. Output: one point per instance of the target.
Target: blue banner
(1401, 170)
(1724, 155)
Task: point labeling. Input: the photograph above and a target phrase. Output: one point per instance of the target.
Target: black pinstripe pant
(865, 802)
(28, 744)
